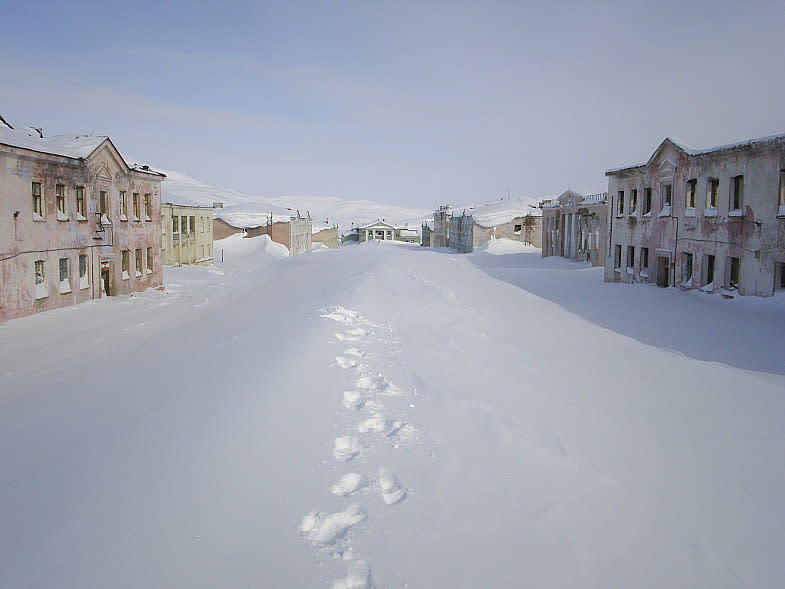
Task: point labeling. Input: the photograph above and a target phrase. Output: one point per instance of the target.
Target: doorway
(663, 271)
(106, 279)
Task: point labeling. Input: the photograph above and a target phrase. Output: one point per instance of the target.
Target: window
(38, 208)
(779, 280)
(184, 224)
(617, 258)
(644, 261)
(686, 269)
(175, 224)
(731, 272)
(689, 196)
(620, 203)
(148, 208)
(138, 260)
(65, 276)
(516, 229)
(40, 279)
(83, 280)
(136, 206)
(666, 198)
(630, 259)
(149, 260)
(123, 206)
(736, 193)
(192, 224)
(708, 272)
(633, 200)
(60, 197)
(81, 209)
(103, 205)
(647, 200)
(126, 263)
(712, 193)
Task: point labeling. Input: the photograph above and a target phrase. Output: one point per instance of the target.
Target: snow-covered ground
(390, 416)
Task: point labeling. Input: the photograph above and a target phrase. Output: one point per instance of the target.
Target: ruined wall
(300, 235)
(461, 233)
(753, 234)
(441, 228)
(327, 236)
(26, 238)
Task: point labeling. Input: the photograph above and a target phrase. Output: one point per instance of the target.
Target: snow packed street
(385, 415)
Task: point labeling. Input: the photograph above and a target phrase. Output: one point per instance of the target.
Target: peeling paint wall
(27, 238)
(753, 234)
(576, 227)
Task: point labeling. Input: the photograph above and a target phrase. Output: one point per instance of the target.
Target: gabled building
(711, 219)
(575, 226)
(77, 222)
(376, 230)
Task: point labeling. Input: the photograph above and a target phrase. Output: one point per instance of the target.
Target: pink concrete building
(76, 222)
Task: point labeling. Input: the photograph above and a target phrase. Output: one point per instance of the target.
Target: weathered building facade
(186, 234)
(710, 219)
(441, 226)
(425, 233)
(76, 222)
(295, 233)
(327, 236)
(465, 232)
(575, 226)
(376, 230)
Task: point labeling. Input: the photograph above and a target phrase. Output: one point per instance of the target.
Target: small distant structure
(295, 232)
(186, 234)
(326, 235)
(575, 226)
(425, 235)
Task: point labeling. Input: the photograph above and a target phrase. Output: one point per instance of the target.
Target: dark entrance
(106, 279)
(663, 271)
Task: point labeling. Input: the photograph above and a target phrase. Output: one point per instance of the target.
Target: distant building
(407, 235)
(223, 229)
(295, 232)
(186, 234)
(81, 222)
(425, 232)
(465, 232)
(441, 226)
(376, 230)
(575, 226)
(326, 235)
(711, 219)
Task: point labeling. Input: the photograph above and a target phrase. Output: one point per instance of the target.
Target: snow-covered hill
(248, 210)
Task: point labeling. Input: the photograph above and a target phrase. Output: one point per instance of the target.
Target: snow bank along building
(502, 219)
(186, 234)
(294, 232)
(77, 222)
(326, 234)
(711, 219)
(575, 226)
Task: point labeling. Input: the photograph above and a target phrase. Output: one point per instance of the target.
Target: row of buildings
(711, 219)
(79, 222)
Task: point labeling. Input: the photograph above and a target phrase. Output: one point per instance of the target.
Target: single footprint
(344, 362)
(354, 352)
(352, 400)
(342, 315)
(392, 491)
(377, 383)
(348, 484)
(322, 528)
(345, 448)
(376, 423)
(357, 577)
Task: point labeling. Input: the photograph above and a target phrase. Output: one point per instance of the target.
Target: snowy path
(378, 416)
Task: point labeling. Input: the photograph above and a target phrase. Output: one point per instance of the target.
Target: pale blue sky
(412, 103)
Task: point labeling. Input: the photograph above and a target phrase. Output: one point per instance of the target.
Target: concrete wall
(327, 236)
(441, 227)
(187, 245)
(754, 234)
(26, 238)
(295, 234)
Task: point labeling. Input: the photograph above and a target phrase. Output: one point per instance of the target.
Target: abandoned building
(326, 234)
(425, 232)
(77, 221)
(376, 230)
(295, 232)
(186, 234)
(223, 229)
(575, 226)
(504, 219)
(711, 219)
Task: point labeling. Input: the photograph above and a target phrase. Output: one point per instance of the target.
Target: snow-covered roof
(498, 212)
(73, 146)
(689, 150)
(145, 169)
(377, 224)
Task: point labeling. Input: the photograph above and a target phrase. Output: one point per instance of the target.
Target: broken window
(148, 208)
(736, 193)
(60, 196)
(630, 259)
(38, 209)
(708, 270)
(184, 224)
(620, 203)
(617, 257)
(517, 229)
(731, 272)
(175, 224)
(149, 260)
(103, 205)
(83, 281)
(136, 206)
(123, 206)
(633, 200)
(126, 263)
(65, 276)
(81, 209)
(712, 193)
(779, 280)
(40, 279)
(689, 197)
(192, 224)
(138, 260)
(666, 198)
(644, 261)
(686, 269)
(647, 200)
